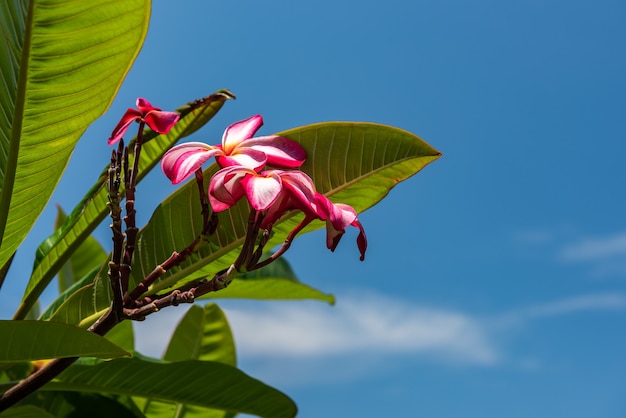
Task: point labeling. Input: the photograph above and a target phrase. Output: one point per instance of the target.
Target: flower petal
(239, 131)
(262, 191)
(225, 188)
(161, 122)
(144, 106)
(301, 189)
(339, 217)
(129, 117)
(361, 240)
(183, 160)
(245, 157)
(281, 152)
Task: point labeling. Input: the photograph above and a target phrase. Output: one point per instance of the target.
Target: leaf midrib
(16, 125)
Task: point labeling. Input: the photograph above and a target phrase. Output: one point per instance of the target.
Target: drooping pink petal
(361, 240)
(225, 188)
(183, 160)
(129, 117)
(240, 131)
(339, 216)
(161, 122)
(281, 152)
(262, 191)
(245, 157)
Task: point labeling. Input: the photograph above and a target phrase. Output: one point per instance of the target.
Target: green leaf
(203, 383)
(359, 164)
(353, 163)
(83, 306)
(74, 288)
(88, 256)
(202, 334)
(36, 340)
(276, 281)
(26, 411)
(61, 62)
(5, 269)
(270, 288)
(123, 336)
(92, 210)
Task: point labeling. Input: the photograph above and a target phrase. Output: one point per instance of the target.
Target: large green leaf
(88, 214)
(61, 62)
(353, 163)
(36, 340)
(88, 256)
(203, 383)
(202, 334)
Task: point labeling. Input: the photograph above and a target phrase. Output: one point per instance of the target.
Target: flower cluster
(243, 160)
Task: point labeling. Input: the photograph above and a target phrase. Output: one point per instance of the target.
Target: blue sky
(495, 280)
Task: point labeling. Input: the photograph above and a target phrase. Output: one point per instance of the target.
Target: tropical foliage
(62, 63)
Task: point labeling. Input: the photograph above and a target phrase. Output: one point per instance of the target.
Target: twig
(116, 227)
(130, 183)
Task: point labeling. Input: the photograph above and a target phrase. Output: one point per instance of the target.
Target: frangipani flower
(238, 148)
(156, 119)
(338, 217)
(263, 190)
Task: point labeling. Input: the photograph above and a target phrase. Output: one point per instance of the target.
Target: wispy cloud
(595, 248)
(363, 333)
(595, 302)
(371, 325)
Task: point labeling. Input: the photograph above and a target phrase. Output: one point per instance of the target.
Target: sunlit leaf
(88, 214)
(88, 256)
(374, 158)
(276, 281)
(61, 62)
(353, 163)
(202, 334)
(74, 288)
(123, 336)
(35, 340)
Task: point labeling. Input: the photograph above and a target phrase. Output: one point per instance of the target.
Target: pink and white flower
(238, 148)
(269, 190)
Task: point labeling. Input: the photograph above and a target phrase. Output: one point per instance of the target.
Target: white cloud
(361, 326)
(593, 249)
(295, 341)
